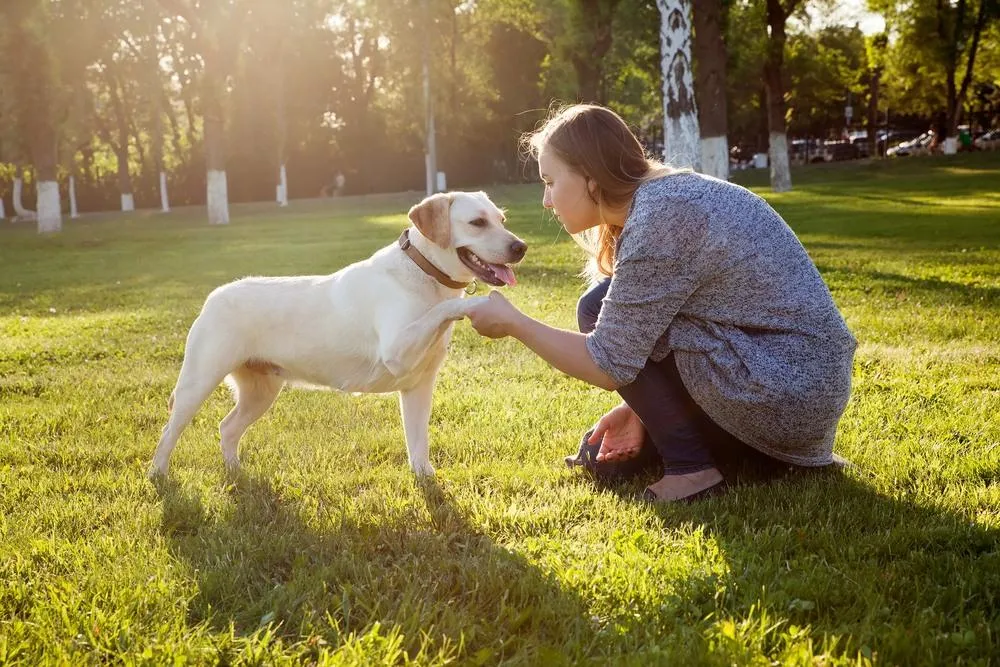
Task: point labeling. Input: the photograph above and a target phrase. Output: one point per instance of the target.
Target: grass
(326, 549)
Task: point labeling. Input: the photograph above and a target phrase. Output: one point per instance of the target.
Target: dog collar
(425, 265)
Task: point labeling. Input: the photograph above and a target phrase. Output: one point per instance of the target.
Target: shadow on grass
(449, 589)
(937, 289)
(910, 583)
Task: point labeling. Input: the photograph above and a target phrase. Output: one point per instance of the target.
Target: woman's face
(566, 194)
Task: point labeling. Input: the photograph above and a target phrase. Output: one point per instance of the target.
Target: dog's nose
(517, 250)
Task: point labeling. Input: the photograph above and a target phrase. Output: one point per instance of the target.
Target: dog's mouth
(492, 274)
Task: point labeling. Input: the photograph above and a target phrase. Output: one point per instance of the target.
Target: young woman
(707, 315)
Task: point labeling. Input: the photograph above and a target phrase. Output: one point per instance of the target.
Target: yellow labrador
(380, 325)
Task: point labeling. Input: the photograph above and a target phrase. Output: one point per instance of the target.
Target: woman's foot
(691, 486)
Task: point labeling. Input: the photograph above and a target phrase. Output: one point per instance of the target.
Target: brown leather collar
(428, 268)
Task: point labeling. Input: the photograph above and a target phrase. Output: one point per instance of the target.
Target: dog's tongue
(504, 273)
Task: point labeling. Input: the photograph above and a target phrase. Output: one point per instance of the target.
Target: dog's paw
(422, 469)
(156, 474)
(464, 306)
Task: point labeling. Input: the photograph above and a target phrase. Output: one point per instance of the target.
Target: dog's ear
(432, 217)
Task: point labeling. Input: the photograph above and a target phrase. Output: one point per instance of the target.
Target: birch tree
(680, 114)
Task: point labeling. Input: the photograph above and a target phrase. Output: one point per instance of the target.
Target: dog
(380, 325)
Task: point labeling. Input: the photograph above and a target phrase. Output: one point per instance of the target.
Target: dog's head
(469, 224)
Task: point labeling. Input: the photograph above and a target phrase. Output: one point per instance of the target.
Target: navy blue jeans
(684, 437)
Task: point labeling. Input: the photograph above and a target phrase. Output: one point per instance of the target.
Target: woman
(708, 318)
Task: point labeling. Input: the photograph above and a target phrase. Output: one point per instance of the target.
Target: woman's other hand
(622, 432)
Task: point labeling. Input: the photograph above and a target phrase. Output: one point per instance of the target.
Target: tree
(710, 86)
(216, 32)
(875, 47)
(936, 38)
(778, 12)
(680, 115)
(32, 81)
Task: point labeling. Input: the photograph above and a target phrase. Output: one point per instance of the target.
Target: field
(327, 550)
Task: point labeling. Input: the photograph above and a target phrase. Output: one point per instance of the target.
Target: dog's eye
(478, 222)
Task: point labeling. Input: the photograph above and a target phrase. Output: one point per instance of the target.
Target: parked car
(811, 151)
(841, 150)
(990, 141)
(887, 139)
(919, 146)
(860, 141)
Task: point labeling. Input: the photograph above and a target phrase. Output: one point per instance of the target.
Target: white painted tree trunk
(283, 187)
(715, 157)
(781, 175)
(49, 207)
(950, 145)
(680, 115)
(20, 212)
(218, 198)
(128, 202)
(3, 212)
(164, 198)
(73, 214)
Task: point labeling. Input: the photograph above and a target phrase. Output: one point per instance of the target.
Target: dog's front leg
(411, 342)
(415, 406)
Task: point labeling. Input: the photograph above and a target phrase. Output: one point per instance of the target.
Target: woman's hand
(622, 432)
(494, 316)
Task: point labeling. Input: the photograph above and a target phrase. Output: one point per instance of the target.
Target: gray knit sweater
(709, 271)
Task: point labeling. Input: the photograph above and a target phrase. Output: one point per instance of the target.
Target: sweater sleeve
(659, 264)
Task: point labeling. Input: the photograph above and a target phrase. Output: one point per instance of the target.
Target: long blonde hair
(595, 142)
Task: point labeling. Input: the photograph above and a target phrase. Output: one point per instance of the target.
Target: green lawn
(327, 550)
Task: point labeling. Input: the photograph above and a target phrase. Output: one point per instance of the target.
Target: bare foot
(679, 487)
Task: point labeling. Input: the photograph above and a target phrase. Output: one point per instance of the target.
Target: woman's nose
(546, 199)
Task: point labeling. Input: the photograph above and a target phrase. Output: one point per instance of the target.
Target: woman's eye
(478, 222)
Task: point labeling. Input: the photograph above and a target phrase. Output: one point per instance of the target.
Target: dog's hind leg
(255, 393)
(201, 372)
(415, 405)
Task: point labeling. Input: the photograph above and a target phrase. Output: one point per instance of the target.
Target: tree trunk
(158, 153)
(587, 79)
(3, 211)
(164, 196)
(873, 85)
(598, 21)
(20, 213)
(122, 148)
(73, 214)
(47, 188)
(970, 62)
(680, 116)
(950, 144)
(710, 86)
(124, 178)
(282, 188)
(781, 176)
(215, 153)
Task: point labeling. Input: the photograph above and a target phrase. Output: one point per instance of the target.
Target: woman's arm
(564, 350)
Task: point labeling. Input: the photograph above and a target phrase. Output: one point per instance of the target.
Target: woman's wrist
(519, 326)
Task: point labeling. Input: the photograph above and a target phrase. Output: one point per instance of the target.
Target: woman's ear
(592, 189)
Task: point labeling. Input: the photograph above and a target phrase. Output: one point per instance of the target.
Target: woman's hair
(595, 142)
